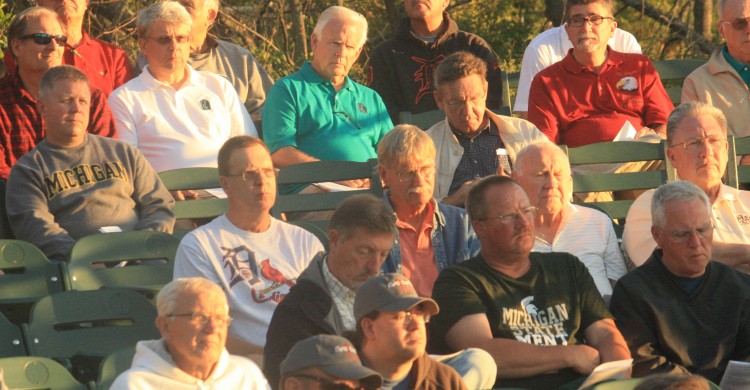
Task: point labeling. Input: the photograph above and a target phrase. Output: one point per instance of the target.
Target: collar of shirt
(150, 82)
(22, 89)
(312, 77)
(438, 217)
(343, 297)
(742, 69)
(571, 65)
(489, 128)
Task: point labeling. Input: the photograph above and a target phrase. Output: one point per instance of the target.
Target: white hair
(344, 14)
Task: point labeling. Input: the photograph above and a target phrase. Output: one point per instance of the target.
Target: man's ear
(163, 324)
(657, 235)
(212, 14)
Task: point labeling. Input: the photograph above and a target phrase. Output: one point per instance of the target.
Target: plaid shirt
(22, 127)
(343, 297)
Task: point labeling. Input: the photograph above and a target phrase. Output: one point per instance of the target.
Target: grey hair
(167, 298)
(17, 27)
(167, 11)
(404, 143)
(49, 80)
(211, 5)
(676, 190)
(363, 211)
(341, 13)
(609, 6)
(539, 146)
(693, 109)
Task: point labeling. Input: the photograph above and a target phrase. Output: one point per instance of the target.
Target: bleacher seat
(11, 339)
(27, 372)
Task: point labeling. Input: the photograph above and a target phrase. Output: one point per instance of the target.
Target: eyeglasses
(682, 236)
(458, 103)
(739, 24)
(426, 172)
(694, 144)
(595, 20)
(327, 384)
(406, 317)
(45, 39)
(166, 40)
(511, 217)
(254, 175)
(202, 319)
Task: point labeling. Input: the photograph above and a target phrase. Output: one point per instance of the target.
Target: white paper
(217, 192)
(736, 376)
(335, 187)
(627, 132)
(110, 229)
(618, 369)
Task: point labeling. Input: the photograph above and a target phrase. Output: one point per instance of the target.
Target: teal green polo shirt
(742, 69)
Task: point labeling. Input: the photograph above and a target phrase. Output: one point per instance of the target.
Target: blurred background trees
(277, 31)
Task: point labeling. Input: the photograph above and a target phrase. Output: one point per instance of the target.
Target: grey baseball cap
(333, 354)
(389, 293)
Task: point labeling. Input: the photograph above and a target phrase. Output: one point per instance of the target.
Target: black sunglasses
(45, 39)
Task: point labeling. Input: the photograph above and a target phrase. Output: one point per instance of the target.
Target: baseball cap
(333, 354)
(390, 293)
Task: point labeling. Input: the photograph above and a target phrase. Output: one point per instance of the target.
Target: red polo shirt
(574, 106)
(22, 127)
(106, 65)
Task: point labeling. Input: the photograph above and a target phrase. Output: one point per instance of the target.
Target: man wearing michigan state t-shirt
(538, 314)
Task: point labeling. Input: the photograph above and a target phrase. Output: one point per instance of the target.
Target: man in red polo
(589, 95)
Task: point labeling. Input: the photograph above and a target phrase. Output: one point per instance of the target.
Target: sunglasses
(739, 24)
(45, 39)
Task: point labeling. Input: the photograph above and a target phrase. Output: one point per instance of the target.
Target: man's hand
(355, 183)
(582, 358)
(644, 132)
(458, 198)
(745, 160)
(184, 195)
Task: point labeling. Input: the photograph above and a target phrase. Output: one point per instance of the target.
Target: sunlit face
(506, 238)
(425, 9)
(66, 112)
(358, 258)
(66, 9)
(738, 41)
(257, 189)
(589, 38)
(33, 57)
(464, 102)
(396, 336)
(191, 343)
(546, 181)
(703, 165)
(686, 237)
(410, 183)
(202, 20)
(336, 49)
(166, 48)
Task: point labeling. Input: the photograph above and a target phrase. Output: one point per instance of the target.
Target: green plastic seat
(195, 179)
(618, 152)
(11, 339)
(112, 366)
(150, 256)
(323, 171)
(27, 277)
(672, 74)
(27, 372)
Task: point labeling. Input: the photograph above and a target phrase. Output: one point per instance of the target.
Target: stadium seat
(26, 277)
(673, 72)
(182, 179)
(11, 339)
(112, 366)
(27, 372)
(97, 261)
(319, 172)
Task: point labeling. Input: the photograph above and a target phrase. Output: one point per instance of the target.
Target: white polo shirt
(730, 215)
(550, 47)
(179, 128)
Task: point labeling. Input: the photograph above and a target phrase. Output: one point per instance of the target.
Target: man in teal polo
(319, 113)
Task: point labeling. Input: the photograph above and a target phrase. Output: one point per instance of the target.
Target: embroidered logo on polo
(362, 108)
(205, 105)
(627, 84)
(533, 325)
(268, 283)
(743, 219)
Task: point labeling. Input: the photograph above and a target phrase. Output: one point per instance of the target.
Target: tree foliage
(278, 31)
